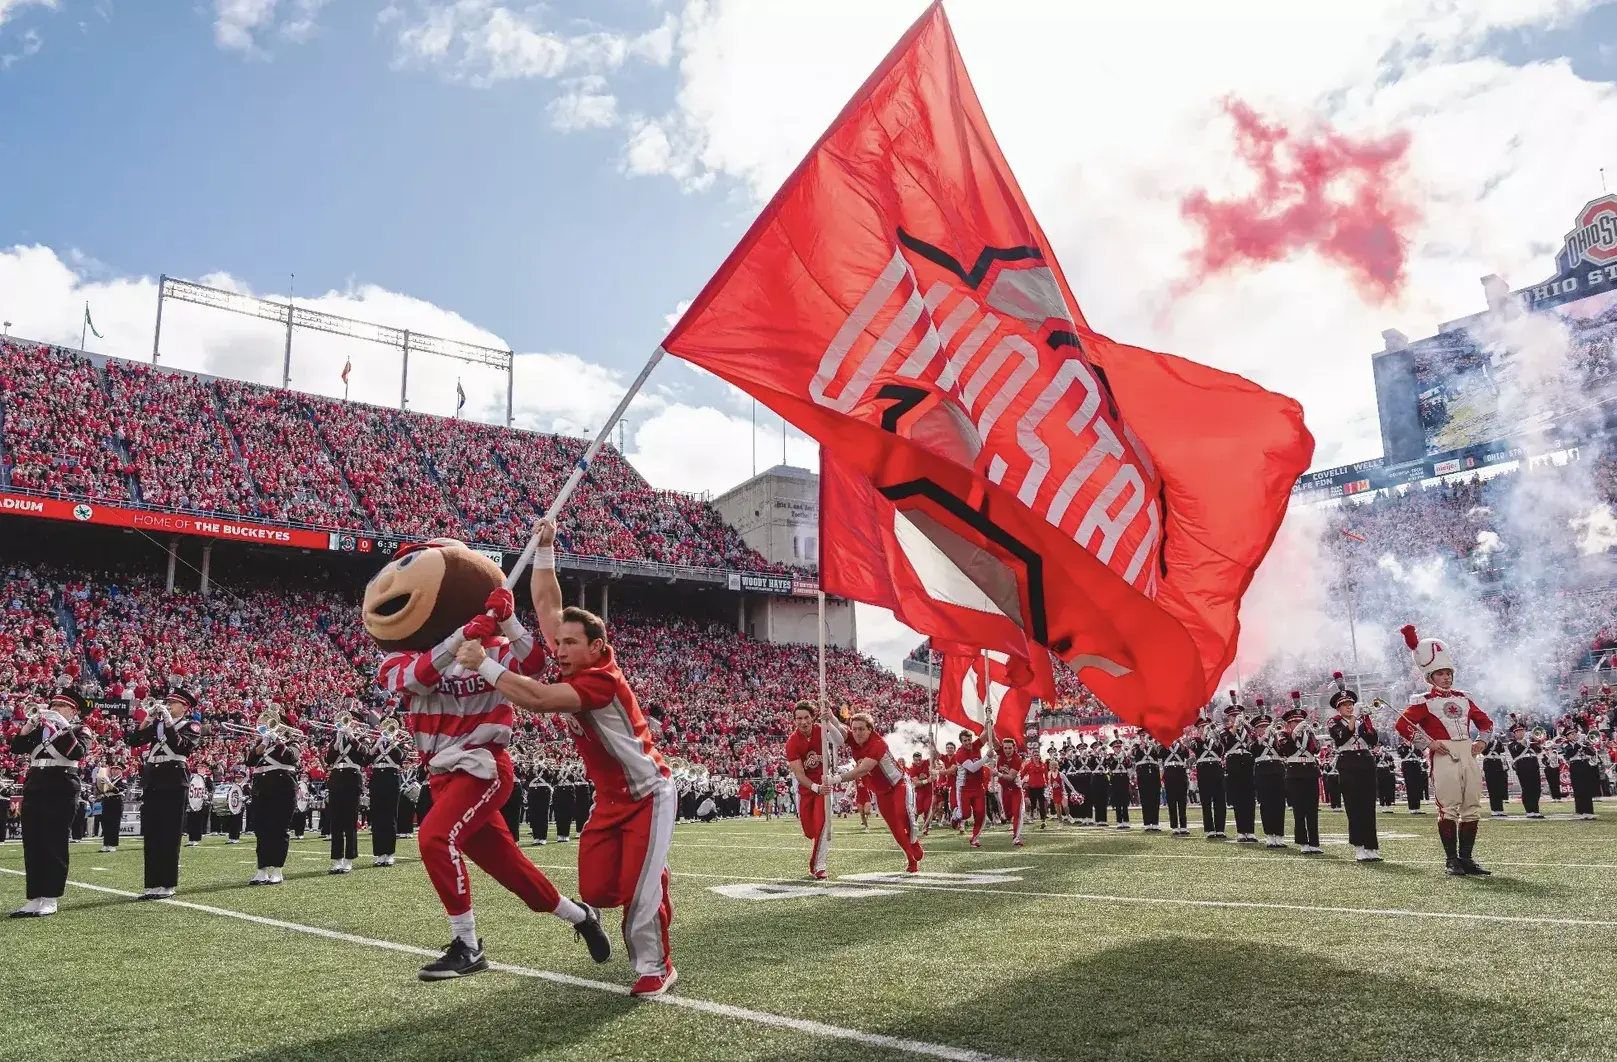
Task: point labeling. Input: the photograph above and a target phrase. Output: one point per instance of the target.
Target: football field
(1085, 944)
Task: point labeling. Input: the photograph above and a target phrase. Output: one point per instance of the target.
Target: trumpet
(46, 717)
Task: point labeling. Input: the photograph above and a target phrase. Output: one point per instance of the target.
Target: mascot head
(427, 592)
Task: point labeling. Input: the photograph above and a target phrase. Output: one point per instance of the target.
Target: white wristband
(491, 670)
(544, 558)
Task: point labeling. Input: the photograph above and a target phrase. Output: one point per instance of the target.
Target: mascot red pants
(465, 822)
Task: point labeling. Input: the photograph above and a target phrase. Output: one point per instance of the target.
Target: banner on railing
(225, 527)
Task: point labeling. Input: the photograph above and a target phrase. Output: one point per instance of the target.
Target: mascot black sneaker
(591, 933)
(459, 960)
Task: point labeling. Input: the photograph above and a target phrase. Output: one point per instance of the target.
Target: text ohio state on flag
(897, 301)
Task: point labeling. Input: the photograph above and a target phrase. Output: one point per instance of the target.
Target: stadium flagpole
(583, 465)
(827, 768)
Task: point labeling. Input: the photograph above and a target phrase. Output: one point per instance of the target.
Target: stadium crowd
(720, 698)
(123, 432)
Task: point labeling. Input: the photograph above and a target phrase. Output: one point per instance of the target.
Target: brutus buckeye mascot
(1445, 716)
(432, 598)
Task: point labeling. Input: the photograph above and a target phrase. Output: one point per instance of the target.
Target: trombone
(346, 724)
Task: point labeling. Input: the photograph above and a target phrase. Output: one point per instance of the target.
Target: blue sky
(559, 177)
(168, 153)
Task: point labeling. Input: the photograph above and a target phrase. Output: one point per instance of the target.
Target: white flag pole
(827, 766)
(583, 465)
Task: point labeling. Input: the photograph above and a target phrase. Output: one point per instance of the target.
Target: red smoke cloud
(1318, 190)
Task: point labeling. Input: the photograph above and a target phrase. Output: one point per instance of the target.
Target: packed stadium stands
(126, 433)
(722, 699)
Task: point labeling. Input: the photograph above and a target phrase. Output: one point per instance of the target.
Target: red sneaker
(654, 984)
(976, 843)
(914, 866)
(819, 875)
(1017, 842)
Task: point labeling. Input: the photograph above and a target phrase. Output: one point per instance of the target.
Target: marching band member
(1444, 717)
(1148, 758)
(623, 851)
(1238, 779)
(1495, 774)
(109, 788)
(1118, 769)
(169, 736)
(387, 761)
(1550, 756)
(1298, 746)
(273, 760)
(562, 802)
(1269, 779)
(1355, 738)
(345, 759)
(538, 803)
(1176, 786)
(1412, 762)
(1581, 762)
(511, 810)
(56, 742)
(1386, 778)
(1209, 750)
(1529, 776)
(300, 806)
(197, 793)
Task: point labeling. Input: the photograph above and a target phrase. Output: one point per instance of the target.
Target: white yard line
(722, 1010)
(1278, 858)
(1171, 901)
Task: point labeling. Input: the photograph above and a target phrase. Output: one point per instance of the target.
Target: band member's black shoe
(459, 960)
(591, 933)
(1453, 868)
(1472, 869)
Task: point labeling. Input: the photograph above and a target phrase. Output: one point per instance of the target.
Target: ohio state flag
(1019, 480)
(976, 689)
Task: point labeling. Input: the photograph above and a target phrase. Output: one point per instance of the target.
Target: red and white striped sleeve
(418, 673)
(523, 653)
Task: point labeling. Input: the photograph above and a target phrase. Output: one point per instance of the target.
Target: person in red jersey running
(804, 750)
(920, 772)
(1009, 769)
(623, 851)
(971, 784)
(888, 782)
(1035, 779)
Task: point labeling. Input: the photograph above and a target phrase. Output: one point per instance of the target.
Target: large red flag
(975, 688)
(1020, 480)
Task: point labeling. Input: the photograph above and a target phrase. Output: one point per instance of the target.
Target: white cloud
(1108, 121)
(9, 7)
(585, 105)
(482, 42)
(242, 25)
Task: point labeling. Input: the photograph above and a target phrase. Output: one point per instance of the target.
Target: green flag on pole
(88, 323)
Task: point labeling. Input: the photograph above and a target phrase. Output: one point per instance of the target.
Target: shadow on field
(1192, 998)
(500, 1021)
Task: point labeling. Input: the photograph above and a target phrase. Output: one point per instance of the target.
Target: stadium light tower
(292, 316)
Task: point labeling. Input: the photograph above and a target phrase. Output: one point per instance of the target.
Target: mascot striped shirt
(458, 720)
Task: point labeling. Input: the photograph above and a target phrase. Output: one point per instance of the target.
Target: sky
(560, 178)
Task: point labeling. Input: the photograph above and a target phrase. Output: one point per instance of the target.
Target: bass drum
(412, 792)
(197, 794)
(227, 799)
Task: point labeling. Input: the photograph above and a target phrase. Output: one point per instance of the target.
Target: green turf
(1052, 966)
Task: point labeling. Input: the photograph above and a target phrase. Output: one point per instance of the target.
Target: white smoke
(1596, 530)
(908, 738)
(1499, 570)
